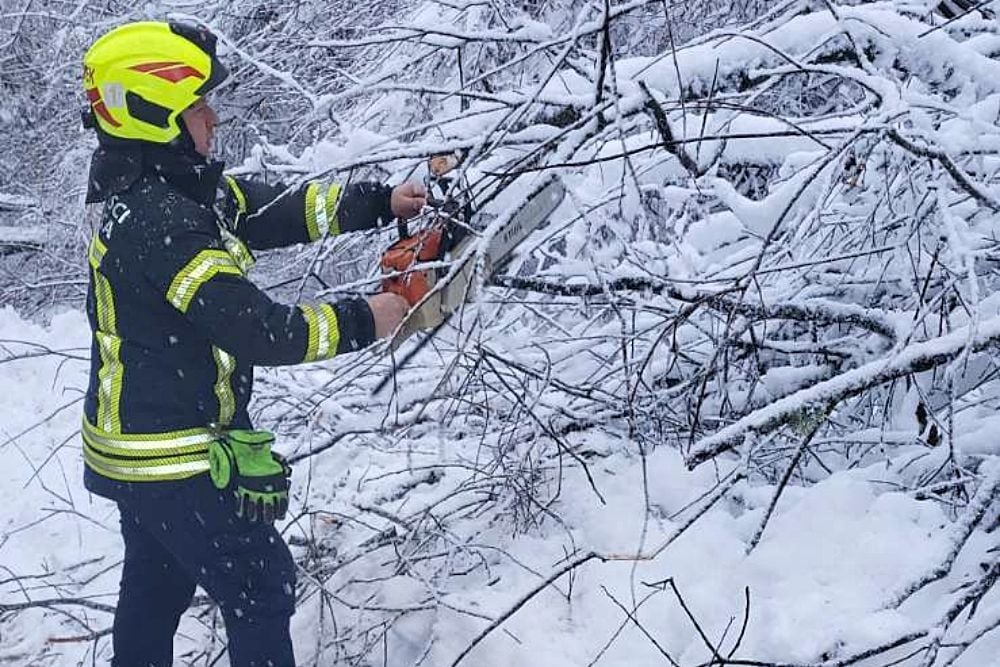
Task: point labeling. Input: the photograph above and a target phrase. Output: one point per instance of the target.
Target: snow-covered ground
(816, 583)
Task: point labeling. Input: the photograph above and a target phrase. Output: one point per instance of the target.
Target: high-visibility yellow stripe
(141, 444)
(147, 470)
(203, 267)
(107, 320)
(311, 225)
(332, 202)
(322, 200)
(239, 252)
(109, 382)
(323, 331)
(146, 456)
(111, 372)
(226, 364)
(96, 251)
(241, 198)
(332, 329)
(312, 327)
(143, 450)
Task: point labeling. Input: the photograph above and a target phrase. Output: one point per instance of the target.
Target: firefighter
(177, 330)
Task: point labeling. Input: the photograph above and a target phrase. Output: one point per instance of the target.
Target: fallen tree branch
(916, 358)
(962, 179)
(825, 312)
(56, 602)
(985, 496)
(667, 134)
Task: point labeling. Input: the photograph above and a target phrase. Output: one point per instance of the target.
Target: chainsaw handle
(402, 228)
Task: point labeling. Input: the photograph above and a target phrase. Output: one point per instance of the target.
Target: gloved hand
(242, 460)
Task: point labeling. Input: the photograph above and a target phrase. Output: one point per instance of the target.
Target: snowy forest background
(735, 405)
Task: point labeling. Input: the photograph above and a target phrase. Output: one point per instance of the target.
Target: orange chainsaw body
(399, 259)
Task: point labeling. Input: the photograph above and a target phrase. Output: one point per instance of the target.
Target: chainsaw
(432, 268)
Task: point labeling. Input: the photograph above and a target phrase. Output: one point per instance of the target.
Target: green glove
(242, 460)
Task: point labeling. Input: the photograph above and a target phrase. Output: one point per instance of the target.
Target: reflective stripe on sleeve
(322, 200)
(239, 252)
(332, 203)
(324, 331)
(322, 220)
(206, 265)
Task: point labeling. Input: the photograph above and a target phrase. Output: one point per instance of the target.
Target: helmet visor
(215, 78)
(206, 40)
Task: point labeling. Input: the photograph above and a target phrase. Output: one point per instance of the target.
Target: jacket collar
(190, 173)
(114, 168)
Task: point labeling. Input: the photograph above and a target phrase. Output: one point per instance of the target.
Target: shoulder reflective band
(322, 200)
(324, 331)
(205, 266)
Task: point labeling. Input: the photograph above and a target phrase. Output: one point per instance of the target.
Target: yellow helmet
(140, 76)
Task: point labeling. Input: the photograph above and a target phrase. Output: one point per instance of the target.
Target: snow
(41, 534)
(830, 556)
(22, 235)
(763, 217)
(15, 202)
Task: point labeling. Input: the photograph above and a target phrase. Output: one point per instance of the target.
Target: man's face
(201, 119)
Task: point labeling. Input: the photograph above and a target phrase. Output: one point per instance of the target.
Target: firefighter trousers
(190, 535)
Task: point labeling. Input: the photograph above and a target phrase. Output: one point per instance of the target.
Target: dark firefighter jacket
(177, 327)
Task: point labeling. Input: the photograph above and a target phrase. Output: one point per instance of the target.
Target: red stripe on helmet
(172, 71)
(97, 104)
(178, 74)
(149, 67)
